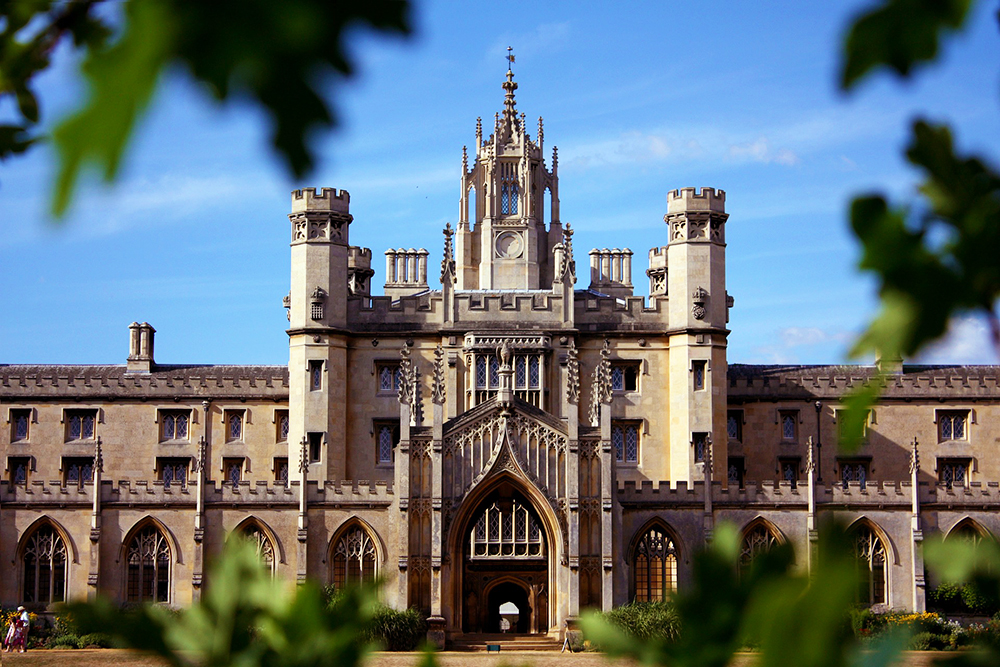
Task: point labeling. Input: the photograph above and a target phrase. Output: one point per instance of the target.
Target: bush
(397, 630)
(95, 640)
(64, 641)
(646, 620)
(978, 600)
(928, 641)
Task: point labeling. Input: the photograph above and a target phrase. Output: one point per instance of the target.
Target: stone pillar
(303, 524)
(570, 395)
(812, 535)
(916, 552)
(607, 488)
(94, 576)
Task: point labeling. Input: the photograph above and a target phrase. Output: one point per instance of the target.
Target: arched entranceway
(505, 558)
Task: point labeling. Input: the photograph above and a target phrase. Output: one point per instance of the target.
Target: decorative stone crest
(601, 384)
(699, 297)
(438, 389)
(572, 375)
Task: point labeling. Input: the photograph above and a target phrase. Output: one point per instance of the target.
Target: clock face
(509, 245)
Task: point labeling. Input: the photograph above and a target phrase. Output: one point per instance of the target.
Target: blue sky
(640, 98)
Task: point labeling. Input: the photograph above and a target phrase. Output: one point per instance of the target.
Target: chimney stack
(140, 349)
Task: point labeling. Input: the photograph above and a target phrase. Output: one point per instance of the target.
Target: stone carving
(304, 456)
(492, 342)
(409, 386)
(572, 375)
(438, 389)
(448, 263)
(914, 458)
(319, 226)
(98, 458)
(566, 271)
(699, 297)
(810, 462)
(600, 385)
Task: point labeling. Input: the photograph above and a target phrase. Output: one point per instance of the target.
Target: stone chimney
(140, 348)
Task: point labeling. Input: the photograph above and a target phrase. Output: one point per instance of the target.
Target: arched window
(148, 558)
(44, 562)
(508, 531)
(654, 566)
(872, 566)
(757, 539)
(256, 536)
(354, 557)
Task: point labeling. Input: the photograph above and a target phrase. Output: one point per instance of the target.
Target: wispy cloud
(790, 340)
(966, 342)
(760, 150)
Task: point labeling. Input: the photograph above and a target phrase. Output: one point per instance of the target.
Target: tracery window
(148, 558)
(256, 536)
(625, 442)
(854, 471)
(80, 424)
(952, 424)
(734, 425)
(386, 438)
(355, 558)
(509, 190)
(174, 424)
(19, 466)
(20, 419)
(953, 472)
(234, 425)
(281, 470)
(790, 471)
(872, 566)
(282, 424)
(508, 531)
(625, 377)
(736, 471)
(388, 378)
(44, 563)
(77, 471)
(757, 540)
(654, 566)
(788, 419)
(527, 380)
(172, 470)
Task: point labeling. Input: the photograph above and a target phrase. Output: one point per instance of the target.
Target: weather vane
(510, 57)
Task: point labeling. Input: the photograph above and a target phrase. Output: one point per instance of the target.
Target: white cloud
(966, 342)
(760, 150)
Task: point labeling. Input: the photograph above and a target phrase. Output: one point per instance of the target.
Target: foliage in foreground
(245, 618)
(280, 56)
(389, 629)
(646, 620)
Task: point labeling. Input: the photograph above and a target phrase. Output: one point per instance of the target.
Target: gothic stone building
(505, 438)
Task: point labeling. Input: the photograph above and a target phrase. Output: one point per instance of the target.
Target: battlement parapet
(690, 199)
(359, 258)
(351, 492)
(324, 199)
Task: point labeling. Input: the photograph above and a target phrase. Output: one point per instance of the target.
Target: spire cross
(510, 57)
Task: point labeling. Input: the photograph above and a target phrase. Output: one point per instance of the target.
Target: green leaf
(122, 79)
(899, 34)
(853, 420)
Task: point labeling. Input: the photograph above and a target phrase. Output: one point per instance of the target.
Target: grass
(124, 658)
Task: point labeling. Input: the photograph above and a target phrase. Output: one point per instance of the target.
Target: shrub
(646, 620)
(397, 630)
(928, 641)
(64, 641)
(979, 600)
(95, 640)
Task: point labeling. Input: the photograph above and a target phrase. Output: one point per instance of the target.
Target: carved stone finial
(572, 375)
(503, 352)
(601, 384)
(98, 457)
(709, 452)
(699, 297)
(541, 133)
(555, 158)
(479, 129)
(914, 458)
(438, 389)
(448, 262)
(304, 456)
(810, 461)
(409, 385)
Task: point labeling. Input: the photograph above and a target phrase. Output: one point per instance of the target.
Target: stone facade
(505, 438)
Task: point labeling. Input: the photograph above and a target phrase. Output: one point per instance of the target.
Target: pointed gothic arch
(757, 537)
(653, 557)
(44, 556)
(874, 554)
(969, 528)
(149, 550)
(259, 534)
(355, 553)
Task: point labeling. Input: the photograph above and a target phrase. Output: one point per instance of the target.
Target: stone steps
(508, 642)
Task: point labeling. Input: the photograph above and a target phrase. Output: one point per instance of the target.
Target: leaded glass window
(174, 424)
(387, 435)
(757, 540)
(148, 558)
(624, 377)
(19, 470)
(951, 424)
(872, 566)
(234, 425)
(625, 442)
(281, 471)
(234, 470)
(854, 472)
(508, 530)
(953, 472)
(78, 471)
(354, 558)
(262, 544)
(788, 425)
(700, 447)
(283, 424)
(81, 424)
(734, 425)
(388, 377)
(173, 471)
(20, 419)
(790, 472)
(654, 566)
(44, 567)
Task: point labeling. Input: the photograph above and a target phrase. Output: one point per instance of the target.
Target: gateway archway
(505, 558)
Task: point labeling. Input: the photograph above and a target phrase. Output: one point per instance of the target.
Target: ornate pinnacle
(98, 457)
(555, 158)
(479, 129)
(709, 451)
(569, 264)
(572, 375)
(405, 371)
(465, 160)
(199, 462)
(601, 384)
(438, 390)
(448, 262)
(810, 462)
(914, 458)
(541, 133)
(304, 457)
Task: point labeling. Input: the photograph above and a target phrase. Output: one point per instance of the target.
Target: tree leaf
(899, 34)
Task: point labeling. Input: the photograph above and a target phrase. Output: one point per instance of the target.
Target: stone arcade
(506, 438)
